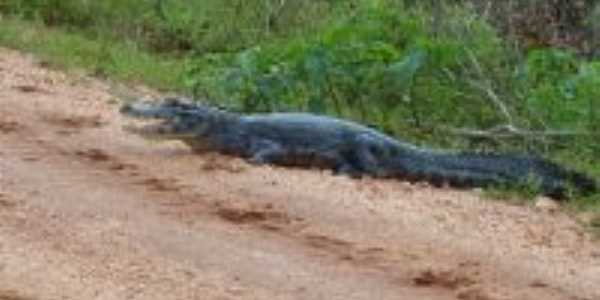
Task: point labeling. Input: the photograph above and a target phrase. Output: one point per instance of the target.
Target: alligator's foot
(347, 170)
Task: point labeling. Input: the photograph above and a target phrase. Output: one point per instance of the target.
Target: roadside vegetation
(479, 75)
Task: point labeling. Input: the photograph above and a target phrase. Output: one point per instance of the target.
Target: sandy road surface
(90, 212)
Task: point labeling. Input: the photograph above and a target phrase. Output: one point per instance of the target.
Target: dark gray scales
(307, 140)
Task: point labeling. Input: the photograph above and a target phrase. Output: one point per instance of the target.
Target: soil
(89, 211)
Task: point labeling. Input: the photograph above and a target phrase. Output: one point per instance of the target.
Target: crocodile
(343, 146)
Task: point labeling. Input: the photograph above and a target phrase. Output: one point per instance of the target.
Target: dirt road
(90, 212)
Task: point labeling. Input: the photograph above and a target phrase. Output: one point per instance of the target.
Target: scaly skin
(292, 139)
(307, 140)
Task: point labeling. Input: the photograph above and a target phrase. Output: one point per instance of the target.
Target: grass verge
(100, 57)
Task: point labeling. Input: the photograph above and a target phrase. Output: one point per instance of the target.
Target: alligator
(343, 146)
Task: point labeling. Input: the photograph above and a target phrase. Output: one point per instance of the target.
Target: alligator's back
(310, 129)
(297, 122)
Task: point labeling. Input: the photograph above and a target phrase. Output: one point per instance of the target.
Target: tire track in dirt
(51, 151)
(264, 218)
(11, 295)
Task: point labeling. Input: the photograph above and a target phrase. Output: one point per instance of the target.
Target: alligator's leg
(339, 163)
(266, 152)
(347, 169)
(365, 156)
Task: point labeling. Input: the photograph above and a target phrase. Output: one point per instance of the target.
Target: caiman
(346, 147)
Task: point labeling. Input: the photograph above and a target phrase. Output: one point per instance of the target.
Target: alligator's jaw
(157, 132)
(142, 110)
(158, 122)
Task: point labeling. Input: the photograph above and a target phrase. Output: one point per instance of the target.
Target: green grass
(110, 58)
(181, 25)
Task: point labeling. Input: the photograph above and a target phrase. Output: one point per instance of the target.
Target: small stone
(478, 190)
(546, 204)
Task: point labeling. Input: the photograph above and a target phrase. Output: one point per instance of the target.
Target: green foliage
(377, 65)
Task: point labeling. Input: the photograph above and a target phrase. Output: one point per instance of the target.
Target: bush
(397, 70)
(378, 66)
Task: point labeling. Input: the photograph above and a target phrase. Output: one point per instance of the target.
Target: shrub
(378, 66)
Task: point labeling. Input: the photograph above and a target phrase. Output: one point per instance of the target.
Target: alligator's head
(178, 119)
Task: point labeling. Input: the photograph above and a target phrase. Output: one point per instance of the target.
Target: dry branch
(510, 131)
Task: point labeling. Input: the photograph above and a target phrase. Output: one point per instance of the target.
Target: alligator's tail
(484, 170)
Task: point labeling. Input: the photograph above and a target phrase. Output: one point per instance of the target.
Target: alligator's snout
(141, 110)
